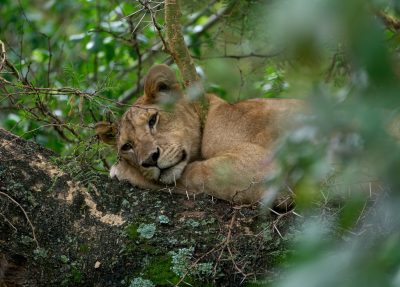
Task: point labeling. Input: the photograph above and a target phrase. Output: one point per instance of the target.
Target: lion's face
(156, 142)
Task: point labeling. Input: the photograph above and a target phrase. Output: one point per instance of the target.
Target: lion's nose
(152, 159)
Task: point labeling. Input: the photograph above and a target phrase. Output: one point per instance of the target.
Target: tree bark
(61, 224)
(176, 46)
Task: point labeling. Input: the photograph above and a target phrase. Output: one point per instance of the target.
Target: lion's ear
(107, 132)
(161, 86)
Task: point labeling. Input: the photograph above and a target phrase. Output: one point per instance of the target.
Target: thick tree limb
(176, 44)
(70, 209)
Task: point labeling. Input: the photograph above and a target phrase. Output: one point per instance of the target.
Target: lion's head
(160, 134)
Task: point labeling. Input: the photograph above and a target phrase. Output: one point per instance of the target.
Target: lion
(221, 149)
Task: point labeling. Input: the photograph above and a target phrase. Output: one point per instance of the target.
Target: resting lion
(224, 150)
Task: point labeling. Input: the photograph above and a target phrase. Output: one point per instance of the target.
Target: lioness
(224, 150)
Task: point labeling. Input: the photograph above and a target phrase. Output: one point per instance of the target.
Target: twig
(8, 221)
(26, 216)
(220, 246)
(157, 27)
(239, 57)
(194, 264)
(226, 241)
(280, 216)
(2, 54)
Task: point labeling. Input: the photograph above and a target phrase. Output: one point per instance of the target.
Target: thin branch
(221, 246)
(150, 9)
(389, 21)
(239, 57)
(26, 216)
(8, 221)
(2, 54)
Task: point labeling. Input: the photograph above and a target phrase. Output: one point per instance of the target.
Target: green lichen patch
(141, 282)
(147, 230)
(163, 219)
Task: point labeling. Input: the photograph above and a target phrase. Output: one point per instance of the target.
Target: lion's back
(255, 121)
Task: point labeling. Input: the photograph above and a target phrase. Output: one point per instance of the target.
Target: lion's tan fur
(228, 158)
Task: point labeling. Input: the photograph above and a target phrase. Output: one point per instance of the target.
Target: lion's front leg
(235, 175)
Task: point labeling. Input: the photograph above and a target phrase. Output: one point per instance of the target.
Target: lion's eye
(163, 87)
(152, 120)
(126, 147)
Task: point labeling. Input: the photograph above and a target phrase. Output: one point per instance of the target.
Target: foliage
(342, 157)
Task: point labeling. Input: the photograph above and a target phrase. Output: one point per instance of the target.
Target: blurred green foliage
(342, 158)
(341, 56)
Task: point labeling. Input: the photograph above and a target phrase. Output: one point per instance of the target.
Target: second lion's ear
(161, 86)
(107, 132)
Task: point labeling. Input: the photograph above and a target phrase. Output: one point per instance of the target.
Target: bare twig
(239, 57)
(2, 55)
(26, 216)
(221, 247)
(226, 241)
(8, 221)
(279, 217)
(152, 11)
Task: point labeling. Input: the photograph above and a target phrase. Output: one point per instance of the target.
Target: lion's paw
(114, 171)
(171, 175)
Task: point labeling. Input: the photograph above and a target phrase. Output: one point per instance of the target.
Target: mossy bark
(95, 232)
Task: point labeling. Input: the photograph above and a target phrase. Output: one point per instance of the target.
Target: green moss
(131, 231)
(160, 273)
(132, 234)
(74, 276)
(149, 249)
(84, 248)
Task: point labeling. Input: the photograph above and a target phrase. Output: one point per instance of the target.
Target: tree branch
(389, 21)
(176, 46)
(212, 20)
(238, 57)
